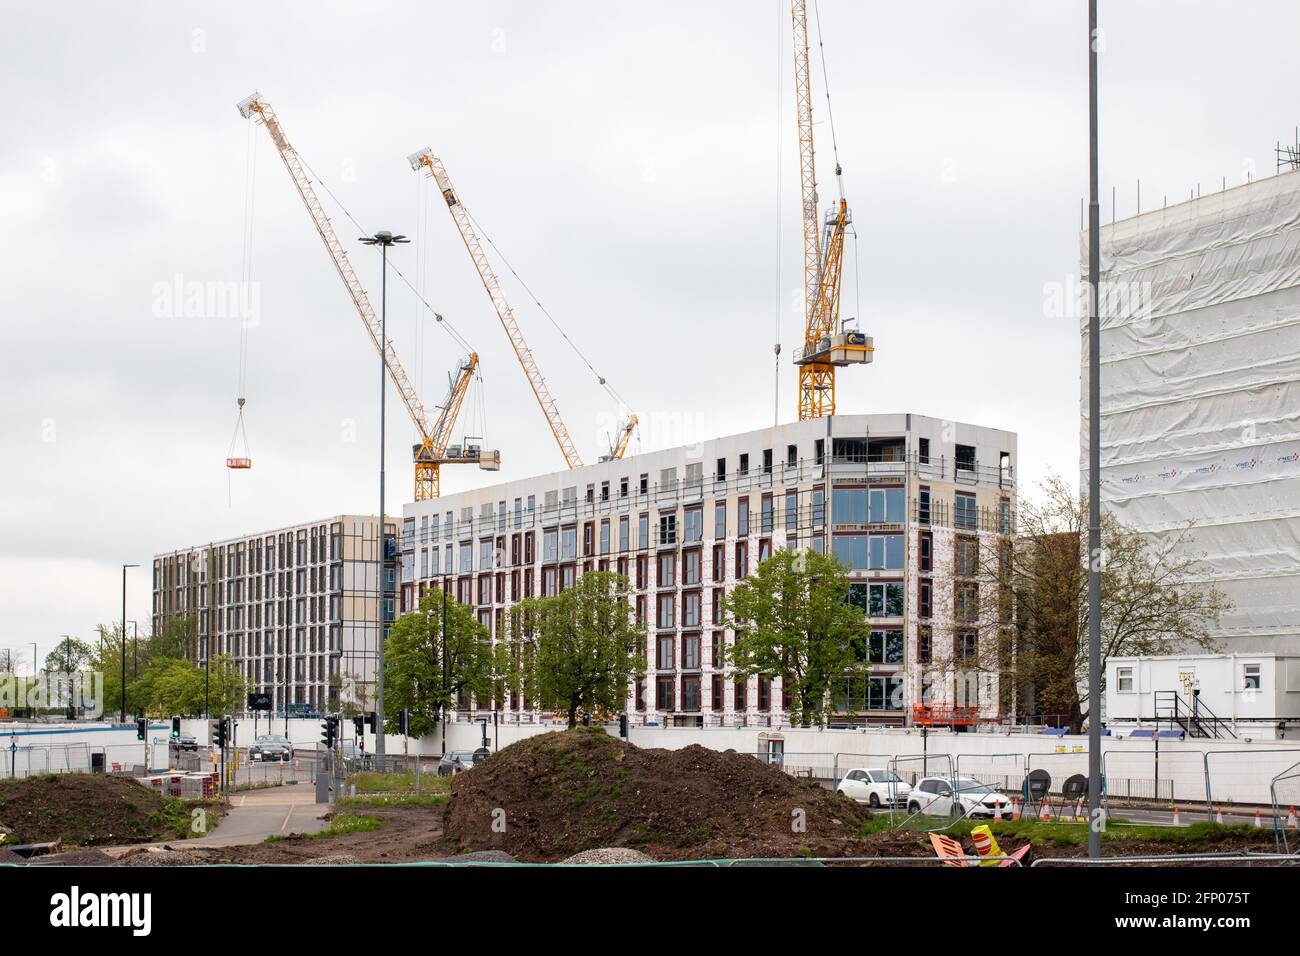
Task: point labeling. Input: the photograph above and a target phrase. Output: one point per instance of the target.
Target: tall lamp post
(1094, 455)
(383, 239)
(123, 636)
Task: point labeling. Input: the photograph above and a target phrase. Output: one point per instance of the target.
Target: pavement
(275, 811)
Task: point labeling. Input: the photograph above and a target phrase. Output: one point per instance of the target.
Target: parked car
(271, 747)
(354, 758)
(454, 761)
(875, 787)
(185, 742)
(957, 796)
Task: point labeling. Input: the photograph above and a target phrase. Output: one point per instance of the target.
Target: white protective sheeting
(1200, 379)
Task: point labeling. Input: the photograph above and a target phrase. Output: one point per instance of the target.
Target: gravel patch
(609, 856)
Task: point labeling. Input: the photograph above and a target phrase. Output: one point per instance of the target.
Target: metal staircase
(1194, 719)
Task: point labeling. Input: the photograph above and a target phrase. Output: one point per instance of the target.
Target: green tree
(69, 655)
(1154, 600)
(792, 619)
(578, 650)
(427, 667)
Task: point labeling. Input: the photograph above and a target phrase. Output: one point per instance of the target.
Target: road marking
(286, 818)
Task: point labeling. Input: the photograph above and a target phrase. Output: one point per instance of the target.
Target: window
(967, 646)
(923, 644)
(791, 510)
(691, 561)
(719, 562)
(742, 518)
(791, 456)
(667, 611)
(818, 507)
(965, 514)
(693, 521)
(925, 552)
(645, 484)
(767, 514)
(624, 532)
(691, 610)
(640, 573)
(1250, 677)
(550, 546)
(923, 505)
(666, 576)
(694, 475)
(691, 692)
(643, 531)
(718, 618)
(849, 506)
(622, 489)
(744, 465)
(1124, 680)
(885, 599)
(466, 557)
(924, 598)
(588, 534)
(604, 536)
(604, 491)
(568, 543)
(1004, 516)
(664, 693)
(767, 461)
(719, 519)
(740, 695)
(966, 597)
(886, 505)
(717, 693)
(690, 652)
(965, 457)
(765, 693)
(665, 653)
(923, 451)
(966, 553)
(721, 472)
(742, 560)
(869, 552)
(667, 530)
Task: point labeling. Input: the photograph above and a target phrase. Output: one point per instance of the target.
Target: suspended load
(238, 456)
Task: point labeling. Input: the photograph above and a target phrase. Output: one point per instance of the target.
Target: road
(257, 814)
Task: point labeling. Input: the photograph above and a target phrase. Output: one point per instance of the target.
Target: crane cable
(240, 437)
(442, 321)
(826, 84)
(780, 201)
(600, 379)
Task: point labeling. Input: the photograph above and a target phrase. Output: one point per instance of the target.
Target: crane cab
(846, 348)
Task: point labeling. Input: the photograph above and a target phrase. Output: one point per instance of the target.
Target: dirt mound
(83, 810)
(554, 795)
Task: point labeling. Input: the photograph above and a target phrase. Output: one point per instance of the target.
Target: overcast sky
(637, 165)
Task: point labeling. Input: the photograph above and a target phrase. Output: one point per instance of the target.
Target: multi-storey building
(295, 608)
(901, 500)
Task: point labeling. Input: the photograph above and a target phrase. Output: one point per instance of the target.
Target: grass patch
(1118, 830)
(340, 824)
(393, 800)
(368, 781)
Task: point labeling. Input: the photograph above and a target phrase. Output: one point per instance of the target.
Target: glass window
(667, 529)
(667, 611)
(550, 546)
(691, 567)
(485, 554)
(643, 531)
(466, 557)
(693, 519)
(791, 510)
(818, 507)
(691, 610)
(742, 518)
(720, 519)
(624, 533)
(667, 570)
(849, 506)
(1124, 680)
(1251, 677)
(965, 514)
(767, 514)
(604, 537)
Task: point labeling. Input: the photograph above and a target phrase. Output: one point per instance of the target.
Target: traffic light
(622, 726)
(329, 731)
(404, 722)
(358, 725)
(221, 732)
(142, 728)
(176, 728)
(372, 722)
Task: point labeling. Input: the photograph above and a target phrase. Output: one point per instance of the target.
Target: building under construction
(902, 500)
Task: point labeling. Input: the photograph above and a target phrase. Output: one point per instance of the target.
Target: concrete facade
(890, 495)
(296, 607)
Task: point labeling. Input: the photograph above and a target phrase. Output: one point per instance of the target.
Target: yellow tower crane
(426, 160)
(826, 346)
(432, 451)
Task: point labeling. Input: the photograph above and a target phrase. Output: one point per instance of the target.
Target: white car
(875, 787)
(957, 796)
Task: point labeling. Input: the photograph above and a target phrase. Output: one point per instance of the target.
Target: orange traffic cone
(997, 813)
(1176, 821)
(1046, 813)
(1015, 809)
(1290, 819)
(1218, 815)
(1258, 822)
(1078, 813)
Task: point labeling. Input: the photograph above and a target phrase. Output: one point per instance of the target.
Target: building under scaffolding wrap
(1200, 391)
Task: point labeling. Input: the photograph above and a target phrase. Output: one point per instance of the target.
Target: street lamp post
(123, 636)
(1094, 454)
(383, 239)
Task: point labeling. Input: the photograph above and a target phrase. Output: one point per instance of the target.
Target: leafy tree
(1153, 598)
(427, 667)
(69, 655)
(792, 619)
(578, 650)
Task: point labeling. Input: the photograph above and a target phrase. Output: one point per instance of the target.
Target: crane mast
(429, 454)
(425, 159)
(825, 346)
